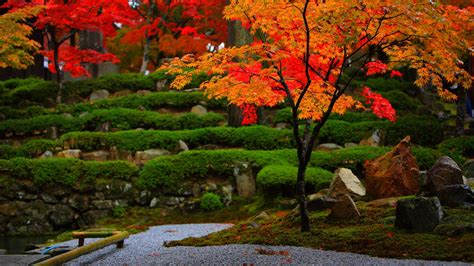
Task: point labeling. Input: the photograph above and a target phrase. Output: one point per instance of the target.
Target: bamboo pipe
(117, 238)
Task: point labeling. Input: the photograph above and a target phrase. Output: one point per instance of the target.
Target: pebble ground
(147, 249)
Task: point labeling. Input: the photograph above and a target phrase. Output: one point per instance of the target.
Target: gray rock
(245, 180)
(171, 201)
(199, 110)
(104, 127)
(444, 172)
(49, 198)
(418, 214)
(47, 154)
(99, 95)
(328, 147)
(456, 195)
(103, 204)
(154, 202)
(122, 93)
(79, 202)
(182, 146)
(344, 208)
(209, 187)
(143, 197)
(61, 216)
(345, 182)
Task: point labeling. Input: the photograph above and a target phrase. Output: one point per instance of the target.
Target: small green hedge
(285, 116)
(14, 113)
(459, 148)
(169, 171)
(252, 138)
(276, 179)
(384, 85)
(151, 101)
(341, 132)
(32, 91)
(423, 130)
(65, 171)
(119, 118)
(211, 202)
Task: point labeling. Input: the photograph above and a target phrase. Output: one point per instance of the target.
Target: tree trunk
(146, 55)
(59, 74)
(460, 110)
(301, 192)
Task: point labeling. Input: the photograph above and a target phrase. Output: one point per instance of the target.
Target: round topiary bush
(211, 202)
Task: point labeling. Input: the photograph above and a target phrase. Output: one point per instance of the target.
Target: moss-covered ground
(373, 234)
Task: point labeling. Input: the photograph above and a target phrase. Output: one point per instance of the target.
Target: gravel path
(147, 249)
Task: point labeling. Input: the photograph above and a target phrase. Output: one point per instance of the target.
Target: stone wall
(29, 209)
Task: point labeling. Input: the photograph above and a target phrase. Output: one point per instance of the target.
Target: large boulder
(245, 180)
(444, 172)
(99, 95)
(418, 214)
(344, 208)
(394, 174)
(456, 195)
(345, 182)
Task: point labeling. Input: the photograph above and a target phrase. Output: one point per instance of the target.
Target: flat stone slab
(21, 259)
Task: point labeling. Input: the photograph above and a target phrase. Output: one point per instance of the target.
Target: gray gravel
(147, 249)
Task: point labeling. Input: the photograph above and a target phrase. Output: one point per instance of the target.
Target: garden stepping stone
(394, 174)
(199, 110)
(328, 147)
(99, 95)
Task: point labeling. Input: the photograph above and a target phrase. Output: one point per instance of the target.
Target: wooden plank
(68, 256)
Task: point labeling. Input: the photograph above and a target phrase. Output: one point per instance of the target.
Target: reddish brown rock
(394, 174)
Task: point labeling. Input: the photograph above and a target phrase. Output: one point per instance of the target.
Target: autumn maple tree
(307, 53)
(61, 21)
(173, 27)
(16, 48)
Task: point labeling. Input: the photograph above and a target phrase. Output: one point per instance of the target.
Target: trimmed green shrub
(340, 132)
(34, 92)
(66, 171)
(382, 84)
(401, 101)
(111, 83)
(355, 117)
(37, 147)
(7, 152)
(170, 171)
(149, 101)
(119, 118)
(423, 130)
(283, 116)
(40, 123)
(14, 113)
(425, 157)
(211, 202)
(275, 179)
(352, 158)
(251, 138)
(458, 148)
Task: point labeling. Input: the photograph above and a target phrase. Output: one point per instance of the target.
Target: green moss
(363, 236)
(276, 179)
(458, 148)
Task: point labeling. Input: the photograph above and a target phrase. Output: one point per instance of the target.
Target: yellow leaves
(16, 48)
